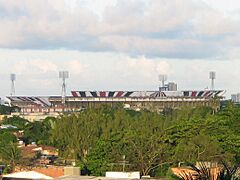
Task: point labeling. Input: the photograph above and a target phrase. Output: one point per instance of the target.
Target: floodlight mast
(12, 78)
(63, 75)
(212, 77)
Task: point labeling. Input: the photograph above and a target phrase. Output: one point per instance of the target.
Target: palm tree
(197, 173)
(228, 173)
(204, 173)
(10, 154)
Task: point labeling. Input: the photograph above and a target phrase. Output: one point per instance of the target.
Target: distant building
(235, 98)
(172, 86)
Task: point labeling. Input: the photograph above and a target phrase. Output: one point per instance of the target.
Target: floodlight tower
(212, 77)
(63, 75)
(12, 78)
(162, 78)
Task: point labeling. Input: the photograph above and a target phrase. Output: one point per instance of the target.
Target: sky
(118, 44)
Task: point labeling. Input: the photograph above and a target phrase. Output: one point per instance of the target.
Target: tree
(6, 136)
(39, 131)
(145, 144)
(17, 121)
(98, 160)
(8, 110)
(10, 154)
(99, 136)
(198, 148)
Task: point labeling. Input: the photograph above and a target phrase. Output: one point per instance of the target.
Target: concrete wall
(70, 171)
(121, 175)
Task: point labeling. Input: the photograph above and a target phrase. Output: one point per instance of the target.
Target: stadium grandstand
(151, 100)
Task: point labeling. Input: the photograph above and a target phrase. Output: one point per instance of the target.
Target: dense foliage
(105, 138)
(99, 138)
(16, 121)
(39, 131)
(4, 110)
(26, 131)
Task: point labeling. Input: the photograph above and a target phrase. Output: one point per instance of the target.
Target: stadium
(167, 96)
(151, 100)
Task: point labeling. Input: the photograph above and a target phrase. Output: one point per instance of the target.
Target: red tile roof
(31, 150)
(53, 172)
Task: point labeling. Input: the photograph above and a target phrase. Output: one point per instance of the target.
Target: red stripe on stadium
(207, 93)
(102, 94)
(74, 93)
(194, 93)
(119, 94)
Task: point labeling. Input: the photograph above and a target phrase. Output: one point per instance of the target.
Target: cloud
(35, 67)
(214, 23)
(163, 68)
(43, 24)
(76, 67)
(159, 28)
(170, 48)
(140, 72)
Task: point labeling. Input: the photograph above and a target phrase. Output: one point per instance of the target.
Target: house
(50, 172)
(47, 150)
(39, 155)
(53, 171)
(42, 149)
(25, 175)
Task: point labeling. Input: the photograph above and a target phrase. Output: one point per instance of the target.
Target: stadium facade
(151, 100)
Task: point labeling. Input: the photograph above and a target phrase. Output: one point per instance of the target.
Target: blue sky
(118, 44)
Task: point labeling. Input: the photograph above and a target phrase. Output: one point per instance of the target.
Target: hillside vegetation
(104, 139)
(98, 139)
